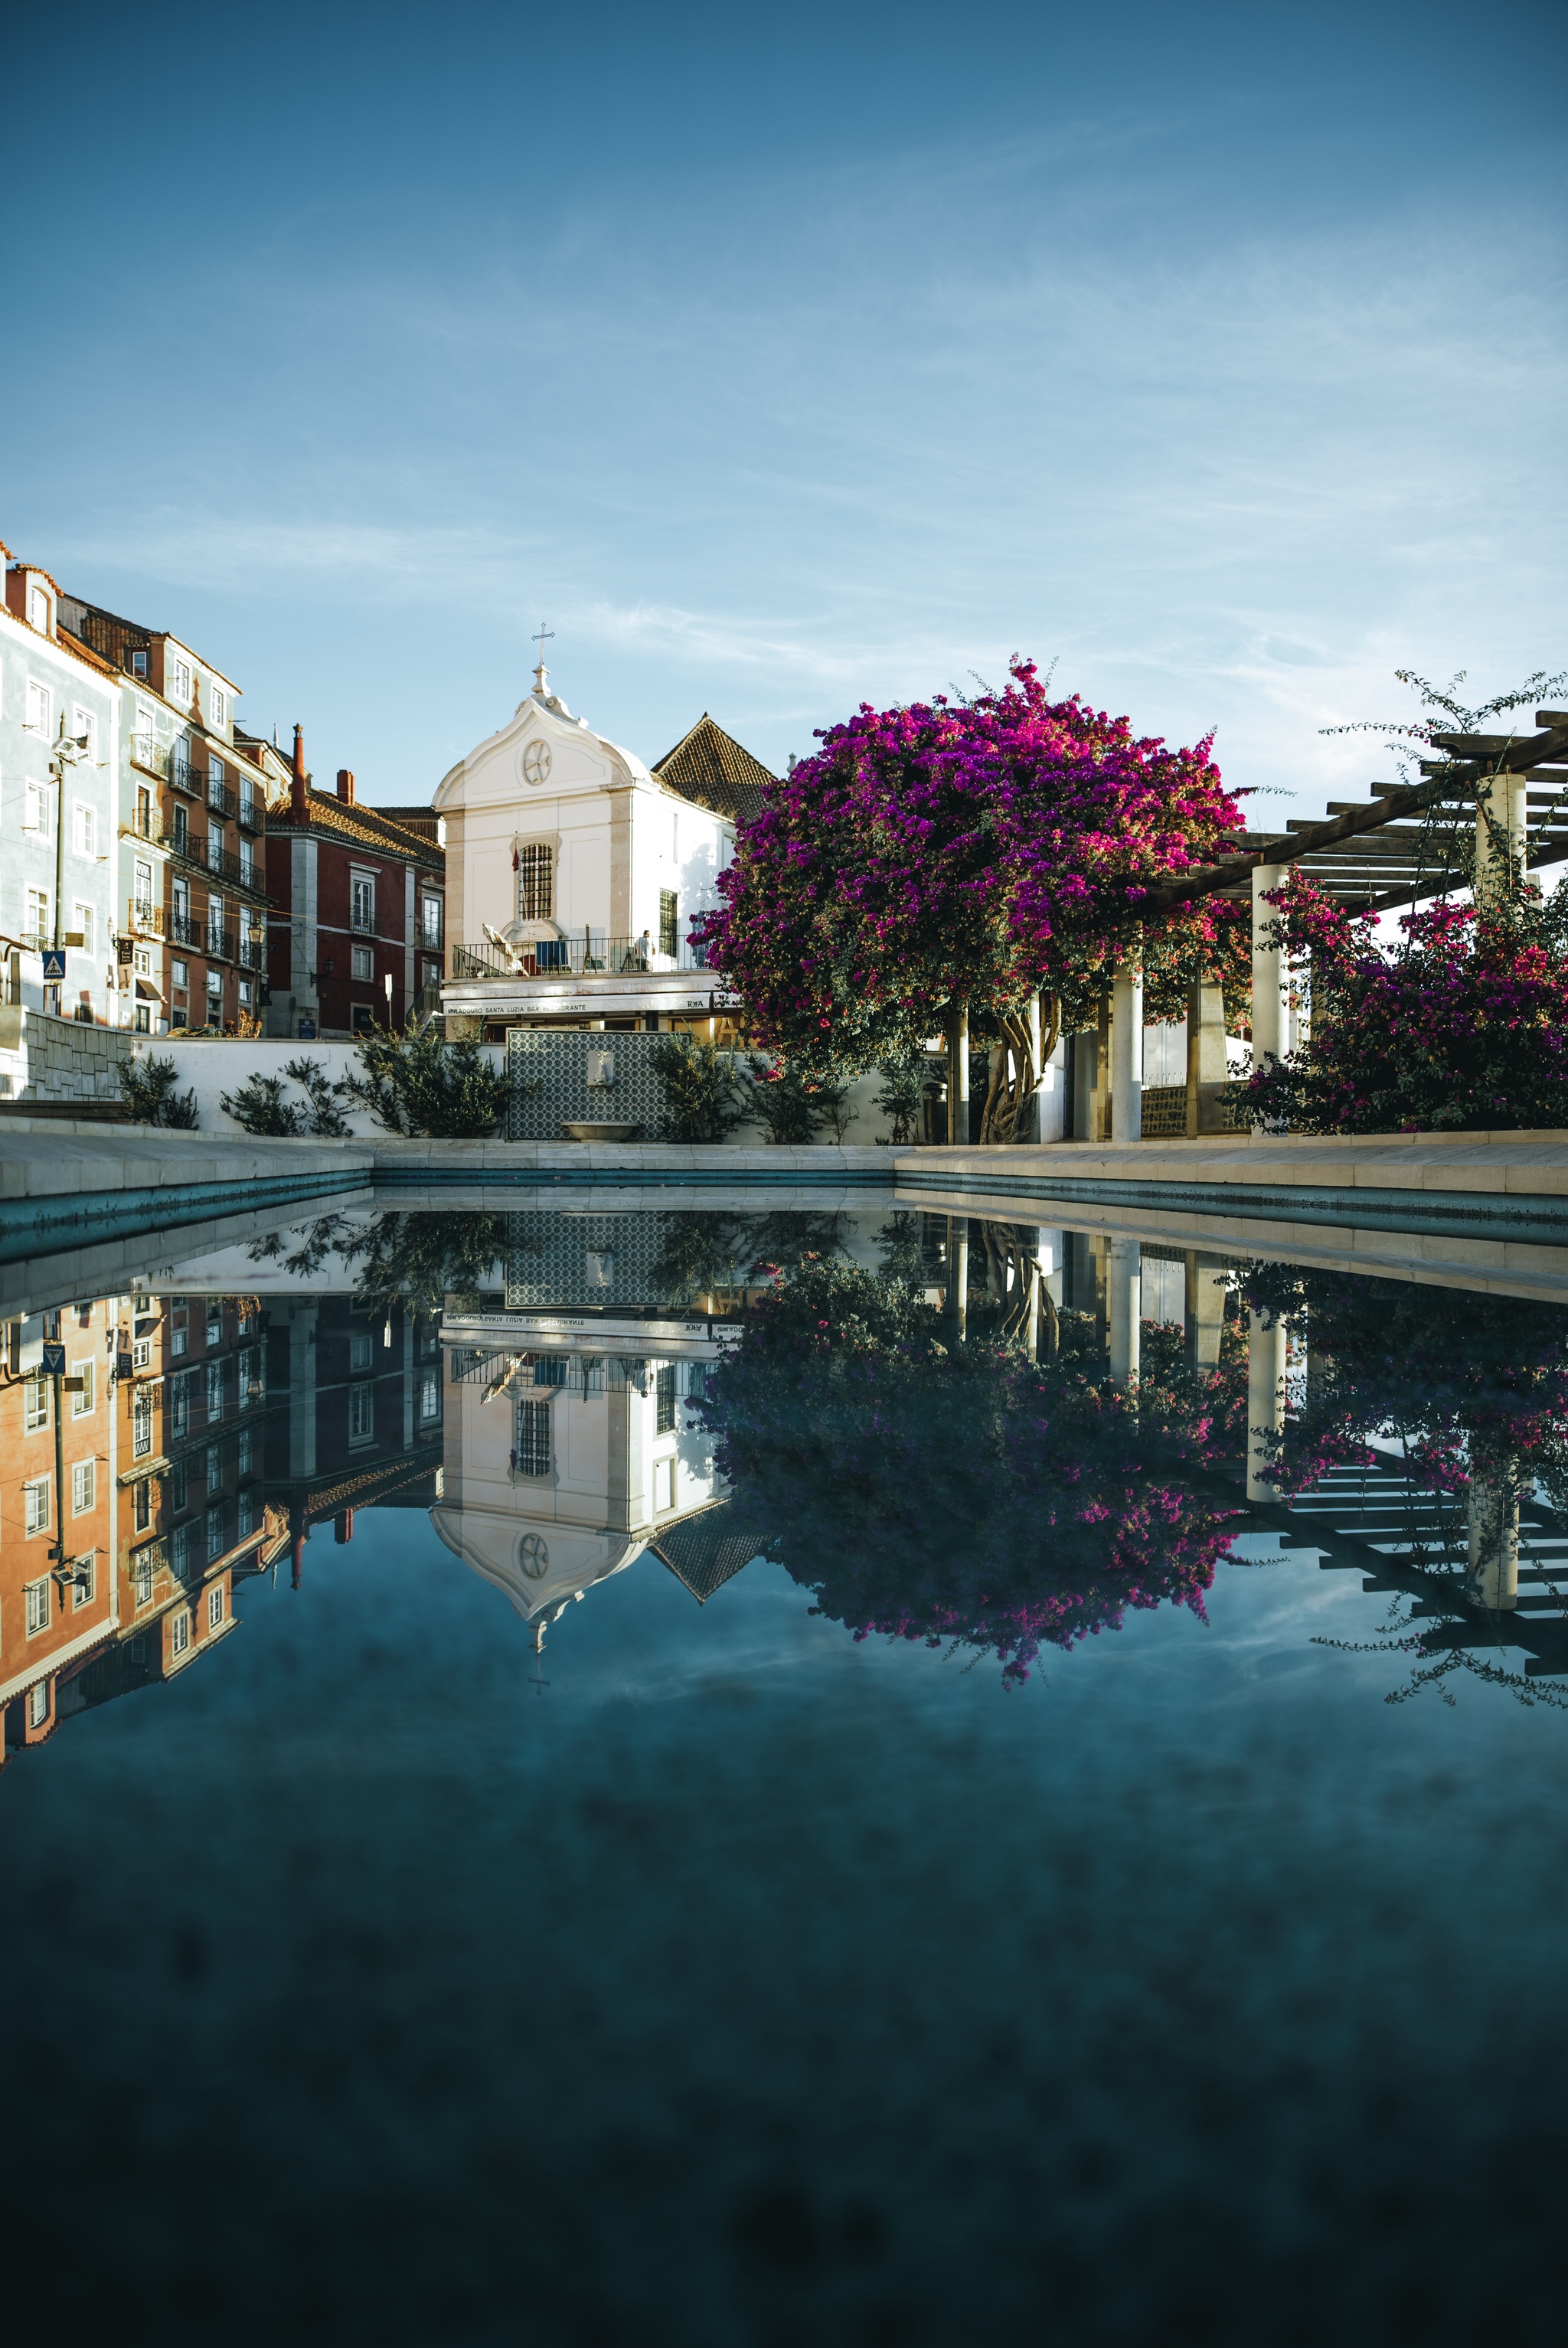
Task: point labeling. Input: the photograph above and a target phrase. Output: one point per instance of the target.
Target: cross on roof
(541, 639)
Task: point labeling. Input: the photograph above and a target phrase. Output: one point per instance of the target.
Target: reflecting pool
(782, 1776)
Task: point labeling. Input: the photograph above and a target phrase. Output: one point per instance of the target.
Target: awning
(145, 991)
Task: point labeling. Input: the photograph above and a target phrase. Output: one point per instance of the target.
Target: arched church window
(536, 884)
(532, 1450)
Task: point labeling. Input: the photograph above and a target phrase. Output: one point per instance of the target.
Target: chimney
(299, 803)
(345, 787)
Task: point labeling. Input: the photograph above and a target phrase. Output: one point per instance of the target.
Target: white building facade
(59, 765)
(574, 872)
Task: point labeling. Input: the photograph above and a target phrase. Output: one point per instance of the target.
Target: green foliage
(781, 1102)
(148, 1088)
(415, 1084)
(425, 1259)
(704, 1096)
(903, 1081)
(325, 1116)
(261, 1106)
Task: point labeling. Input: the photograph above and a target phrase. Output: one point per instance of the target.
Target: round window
(536, 762)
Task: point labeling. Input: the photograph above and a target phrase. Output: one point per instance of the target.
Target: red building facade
(359, 932)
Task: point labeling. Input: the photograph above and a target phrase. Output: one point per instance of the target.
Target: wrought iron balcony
(146, 919)
(236, 871)
(363, 925)
(220, 796)
(253, 809)
(151, 756)
(587, 954)
(185, 932)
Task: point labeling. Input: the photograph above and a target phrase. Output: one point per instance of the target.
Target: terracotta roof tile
(366, 825)
(710, 768)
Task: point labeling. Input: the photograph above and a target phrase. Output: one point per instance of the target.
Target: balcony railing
(238, 872)
(220, 945)
(363, 925)
(220, 796)
(151, 756)
(146, 918)
(253, 810)
(589, 954)
(184, 776)
(252, 953)
(184, 931)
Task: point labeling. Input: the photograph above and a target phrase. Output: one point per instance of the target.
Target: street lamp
(69, 750)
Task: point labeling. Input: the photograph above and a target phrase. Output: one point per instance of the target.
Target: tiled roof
(422, 819)
(366, 825)
(709, 768)
(708, 1550)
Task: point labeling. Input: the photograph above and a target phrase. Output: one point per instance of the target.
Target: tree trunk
(1015, 1074)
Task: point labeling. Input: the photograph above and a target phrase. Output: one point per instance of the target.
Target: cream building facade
(574, 872)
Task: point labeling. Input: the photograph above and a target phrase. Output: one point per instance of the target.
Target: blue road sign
(54, 966)
(54, 1360)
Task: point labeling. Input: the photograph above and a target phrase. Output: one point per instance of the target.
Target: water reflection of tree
(702, 1254)
(961, 1496)
(428, 1259)
(1460, 1403)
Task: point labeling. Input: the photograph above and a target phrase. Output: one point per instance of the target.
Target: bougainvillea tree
(977, 852)
(957, 1494)
(1462, 1024)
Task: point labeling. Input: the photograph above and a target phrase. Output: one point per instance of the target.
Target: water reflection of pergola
(1402, 1539)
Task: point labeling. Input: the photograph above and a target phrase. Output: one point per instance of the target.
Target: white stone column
(1124, 1300)
(958, 1275)
(958, 1075)
(1491, 1508)
(1270, 975)
(1127, 1055)
(1265, 1401)
(1501, 815)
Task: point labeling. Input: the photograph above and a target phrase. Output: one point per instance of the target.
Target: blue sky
(781, 360)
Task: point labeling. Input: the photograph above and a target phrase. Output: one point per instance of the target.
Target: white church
(575, 871)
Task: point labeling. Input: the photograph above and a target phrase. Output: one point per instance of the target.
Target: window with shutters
(535, 886)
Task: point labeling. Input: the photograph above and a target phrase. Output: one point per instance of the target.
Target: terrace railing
(587, 954)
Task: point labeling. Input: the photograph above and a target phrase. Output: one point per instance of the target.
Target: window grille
(532, 1445)
(144, 1579)
(536, 884)
(668, 913)
(665, 1401)
(141, 1426)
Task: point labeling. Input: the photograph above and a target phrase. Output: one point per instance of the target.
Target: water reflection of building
(359, 1422)
(570, 1454)
(138, 1496)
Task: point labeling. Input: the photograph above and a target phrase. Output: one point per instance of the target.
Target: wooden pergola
(1403, 846)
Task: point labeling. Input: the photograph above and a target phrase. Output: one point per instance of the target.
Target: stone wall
(43, 1058)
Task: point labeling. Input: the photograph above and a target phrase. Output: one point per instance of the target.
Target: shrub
(325, 1116)
(415, 1084)
(704, 1098)
(903, 1081)
(777, 1096)
(148, 1088)
(260, 1105)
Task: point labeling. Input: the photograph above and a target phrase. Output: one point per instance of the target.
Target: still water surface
(585, 1779)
